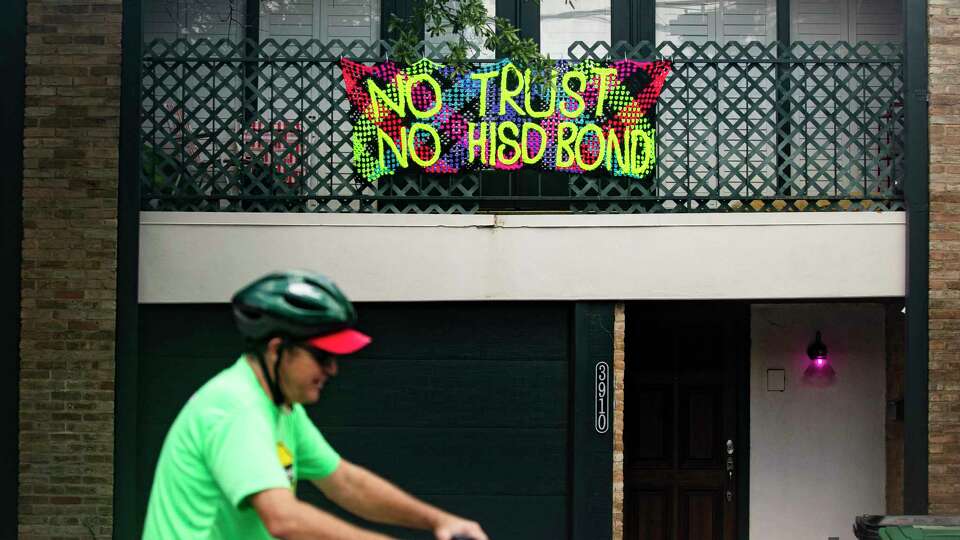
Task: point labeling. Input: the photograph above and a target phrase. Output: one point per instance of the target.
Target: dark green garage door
(467, 405)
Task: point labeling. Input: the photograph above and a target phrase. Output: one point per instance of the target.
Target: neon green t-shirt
(229, 442)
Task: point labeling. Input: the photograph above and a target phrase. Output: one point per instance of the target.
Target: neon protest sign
(588, 118)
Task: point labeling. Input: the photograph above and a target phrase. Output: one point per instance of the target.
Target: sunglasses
(325, 359)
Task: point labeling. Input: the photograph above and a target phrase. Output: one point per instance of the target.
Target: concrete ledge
(204, 257)
(262, 219)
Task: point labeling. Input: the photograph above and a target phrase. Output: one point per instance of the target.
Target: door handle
(730, 459)
(730, 467)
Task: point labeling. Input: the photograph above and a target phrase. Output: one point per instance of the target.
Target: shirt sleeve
(242, 456)
(316, 459)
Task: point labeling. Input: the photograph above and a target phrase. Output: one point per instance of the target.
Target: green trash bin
(870, 527)
(920, 533)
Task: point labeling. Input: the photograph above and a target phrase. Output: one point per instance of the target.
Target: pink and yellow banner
(588, 118)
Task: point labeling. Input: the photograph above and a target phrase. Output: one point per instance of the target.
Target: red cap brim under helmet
(343, 342)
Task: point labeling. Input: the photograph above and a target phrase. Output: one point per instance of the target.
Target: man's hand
(451, 526)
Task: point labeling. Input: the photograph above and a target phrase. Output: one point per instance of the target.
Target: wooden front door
(685, 362)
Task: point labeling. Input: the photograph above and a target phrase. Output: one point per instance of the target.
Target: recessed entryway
(685, 456)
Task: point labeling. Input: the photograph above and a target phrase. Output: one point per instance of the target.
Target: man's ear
(272, 347)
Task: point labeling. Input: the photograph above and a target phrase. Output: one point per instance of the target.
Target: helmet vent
(251, 314)
(301, 302)
(292, 303)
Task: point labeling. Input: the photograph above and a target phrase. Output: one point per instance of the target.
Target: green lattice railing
(263, 127)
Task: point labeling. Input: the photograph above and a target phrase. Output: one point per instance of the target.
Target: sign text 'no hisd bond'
(589, 117)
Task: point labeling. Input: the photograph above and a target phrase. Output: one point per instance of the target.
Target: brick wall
(944, 28)
(69, 269)
(619, 330)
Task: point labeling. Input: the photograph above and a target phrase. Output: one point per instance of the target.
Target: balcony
(263, 127)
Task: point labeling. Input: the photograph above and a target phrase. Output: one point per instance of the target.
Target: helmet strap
(278, 397)
(273, 380)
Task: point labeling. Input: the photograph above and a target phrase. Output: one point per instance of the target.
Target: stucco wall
(817, 456)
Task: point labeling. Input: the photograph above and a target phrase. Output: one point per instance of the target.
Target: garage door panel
(446, 460)
(174, 378)
(512, 516)
(188, 330)
(383, 393)
(502, 516)
(489, 331)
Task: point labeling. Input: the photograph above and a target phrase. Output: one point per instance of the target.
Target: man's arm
(367, 495)
(288, 518)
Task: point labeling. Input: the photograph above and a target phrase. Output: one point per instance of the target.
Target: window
(346, 20)
(179, 19)
(561, 25)
(876, 21)
(718, 20)
(300, 20)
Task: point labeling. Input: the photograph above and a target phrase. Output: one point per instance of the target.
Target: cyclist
(230, 462)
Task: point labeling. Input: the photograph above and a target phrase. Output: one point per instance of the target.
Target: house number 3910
(601, 401)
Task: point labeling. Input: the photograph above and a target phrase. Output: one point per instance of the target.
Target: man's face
(302, 376)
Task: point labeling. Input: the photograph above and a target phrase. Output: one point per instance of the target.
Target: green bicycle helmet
(301, 306)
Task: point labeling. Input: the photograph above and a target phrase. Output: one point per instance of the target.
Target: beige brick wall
(619, 330)
(69, 269)
(944, 28)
